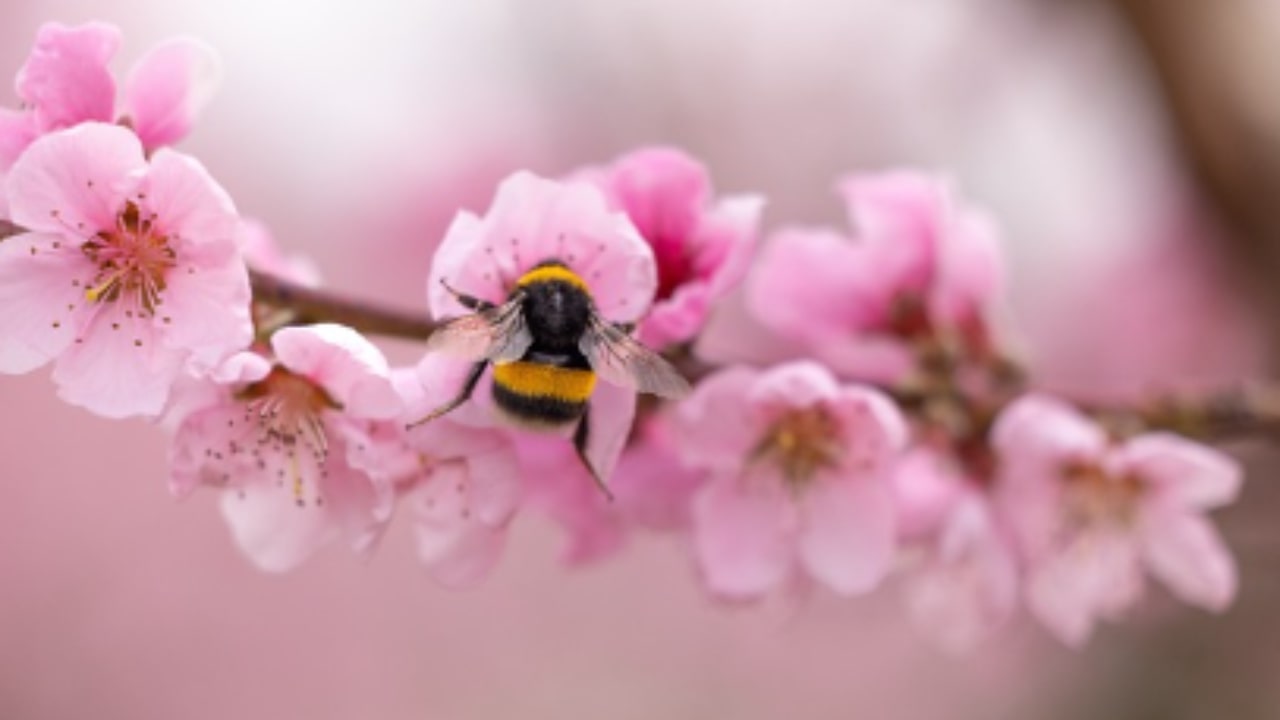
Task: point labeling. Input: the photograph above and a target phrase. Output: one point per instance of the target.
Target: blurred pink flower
(797, 467)
(966, 583)
(703, 251)
(66, 81)
(1089, 514)
(130, 270)
(919, 267)
(291, 442)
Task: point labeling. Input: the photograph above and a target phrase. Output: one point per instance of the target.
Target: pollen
(132, 260)
(1093, 497)
(801, 443)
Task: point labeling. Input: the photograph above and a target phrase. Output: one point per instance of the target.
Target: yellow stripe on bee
(548, 273)
(540, 380)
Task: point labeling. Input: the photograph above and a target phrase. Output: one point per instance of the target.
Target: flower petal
(803, 288)
(117, 368)
(342, 361)
(612, 411)
(206, 311)
(40, 308)
(799, 384)
(454, 542)
(66, 77)
(1186, 471)
(741, 536)
(712, 429)
(1184, 551)
(847, 533)
(190, 204)
(168, 88)
(1095, 574)
(75, 182)
(1041, 432)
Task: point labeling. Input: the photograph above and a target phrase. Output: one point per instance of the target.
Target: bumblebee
(547, 344)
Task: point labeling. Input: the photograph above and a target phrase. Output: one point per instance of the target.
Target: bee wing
(620, 359)
(497, 334)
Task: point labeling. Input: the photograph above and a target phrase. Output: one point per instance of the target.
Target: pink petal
(118, 368)
(970, 586)
(727, 242)
(741, 536)
(206, 311)
(490, 277)
(847, 533)
(190, 204)
(36, 292)
(271, 529)
(1095, 574)
(662, 190)
(560, 486)
(342, 361)
(1036, 434)
(1185, 471)
(66, 77)
(677, 318)
(1185, 552)
(870, 357)
(874, 429)
(799, 384)
(456, 544)
(801, 287)
(75, 182)
(533, 219)
(168, 88)
(611, 413)
(898, 215)
(17, 131)
(713, 431)
(970, 271)
(926, 489)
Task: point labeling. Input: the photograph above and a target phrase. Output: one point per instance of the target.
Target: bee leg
(580, 437)
(626, 328)
(468, 387)
(467, 301)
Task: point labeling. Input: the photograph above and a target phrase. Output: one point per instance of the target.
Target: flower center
(1093, 497)
(801, 443)
(287, 409)
(133, 260)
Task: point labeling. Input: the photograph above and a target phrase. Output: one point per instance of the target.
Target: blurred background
(1129, 151)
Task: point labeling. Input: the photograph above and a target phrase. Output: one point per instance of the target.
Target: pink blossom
(462, 484)
(291, 440)
(533, 220)
(965, 584)
(702, 250)
(651, 491)
(920, 269)
(1091, 513)
(796, 467)
(66, 81)
(129, 271)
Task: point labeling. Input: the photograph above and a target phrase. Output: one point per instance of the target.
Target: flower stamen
(801, 443)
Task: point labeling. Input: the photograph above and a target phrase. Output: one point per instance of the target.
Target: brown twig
(309, 305)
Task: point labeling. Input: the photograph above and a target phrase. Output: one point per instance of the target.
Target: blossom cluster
(894, 438)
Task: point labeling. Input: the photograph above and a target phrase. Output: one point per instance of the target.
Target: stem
(1253, 410)
(309, 305)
